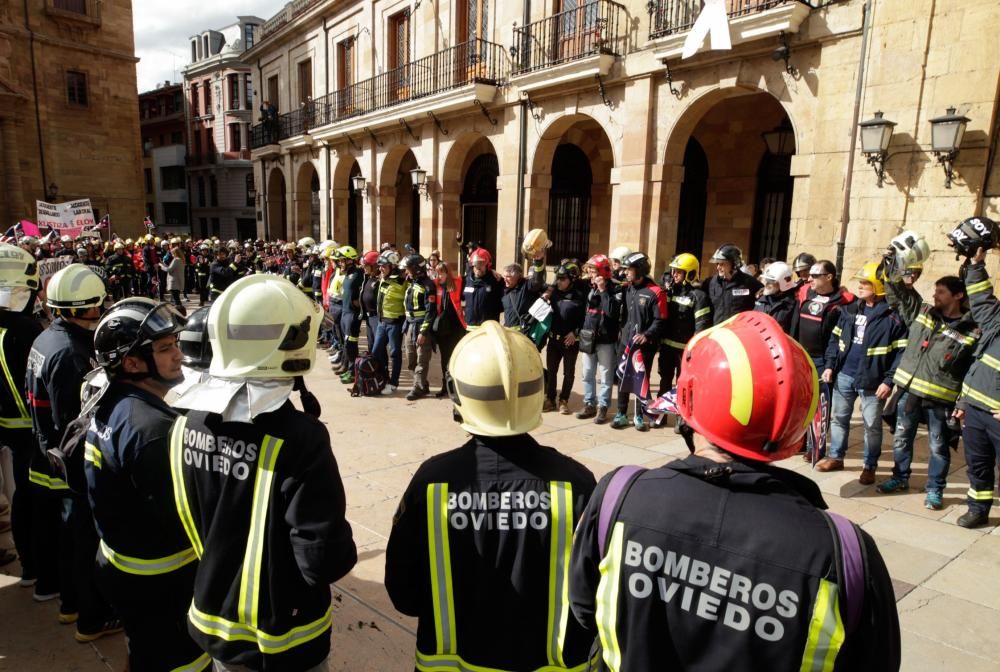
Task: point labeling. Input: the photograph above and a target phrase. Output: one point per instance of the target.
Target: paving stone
(960, 624)
(617, 454)
(977, 582)
(949, 540)
(909, 563)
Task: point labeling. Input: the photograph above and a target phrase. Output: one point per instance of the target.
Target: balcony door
(473, 28)
(578, 30)
(346, 68)
(399, 55)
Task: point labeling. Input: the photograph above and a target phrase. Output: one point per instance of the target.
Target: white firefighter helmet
(263, 327)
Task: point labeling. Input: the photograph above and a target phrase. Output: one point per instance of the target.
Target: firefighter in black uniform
(60, 358)
(260, 495)
(483, 291)
(19, 284)
(420, 304)
(692, 566)
(118, 269)
(350, 316)
(689, 312)
(495, 519)
(730, 290)
(201, 270)
(145, 563)
(221, 274)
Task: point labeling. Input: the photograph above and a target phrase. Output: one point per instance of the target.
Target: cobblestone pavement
(947, 579)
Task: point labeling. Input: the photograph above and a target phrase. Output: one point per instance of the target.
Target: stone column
(11, 170)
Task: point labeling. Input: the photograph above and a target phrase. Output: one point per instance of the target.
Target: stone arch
(456, 204)
(399, 204)
(277, 205)
(577, 221)
(306, 196)
(728, 123)
(347, 205)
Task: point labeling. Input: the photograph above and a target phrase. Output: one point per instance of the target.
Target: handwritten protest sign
(68, 219)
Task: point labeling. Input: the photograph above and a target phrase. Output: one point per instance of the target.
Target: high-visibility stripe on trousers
(144, 567)
(445, 657)
(46, 481)
(199, 664)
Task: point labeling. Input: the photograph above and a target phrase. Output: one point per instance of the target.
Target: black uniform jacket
(483, 298)
(724, 573)
(263, 505)
(503, 501)
(17, 332)
(729, 297)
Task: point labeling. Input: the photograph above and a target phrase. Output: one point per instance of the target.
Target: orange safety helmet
(768, 379)
(601, 263)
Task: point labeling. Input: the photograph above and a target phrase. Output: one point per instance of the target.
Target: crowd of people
(209, 528)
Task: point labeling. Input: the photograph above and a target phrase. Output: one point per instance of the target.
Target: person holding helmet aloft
(778, 298)
(860, 362)
(257, 487)
(692, 565)
(495, 519)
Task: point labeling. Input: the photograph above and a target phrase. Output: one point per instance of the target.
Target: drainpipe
(34, 86)
(845, 217)
(262, 192)
(522, 147)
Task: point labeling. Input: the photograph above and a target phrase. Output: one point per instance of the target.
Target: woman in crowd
(449, 326)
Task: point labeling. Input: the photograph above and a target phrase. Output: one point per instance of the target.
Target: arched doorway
(479, 201)
(307, 205)
(277, 205)
(314, 214)
(746, 191)
(693, 201)
(569, 204)
(407, 210)
(574, 203)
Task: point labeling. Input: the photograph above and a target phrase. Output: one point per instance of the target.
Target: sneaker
(564, 407)
(867, 476)
(44, 597)
(587, 412)
(640, 424)
(893, 485)
(388, 390)
(67, 619)
(109, 627)
(620, 421)
(347, 378)
(933, 501)
(548, 406)
(602, 415)
(971, 519)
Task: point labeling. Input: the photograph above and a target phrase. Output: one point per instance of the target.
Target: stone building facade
(218, 90)
(164, 153)
(70, 125)
(584, 119)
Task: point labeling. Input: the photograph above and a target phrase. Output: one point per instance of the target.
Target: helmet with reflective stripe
(413, 261)
(619, 253)
(728, 252)
(193, 341)
(638, 261)
(389, 258)
(18, 267)
(748, 388)
(601, 264)
(495, 379)
(688, 263)
(973, 233)
(75, 287)
(911, 248)
(803, 262)
(130, 328)
(262, 326)
(870, 273)
(348, 252)
(779, 273)
(571, 267)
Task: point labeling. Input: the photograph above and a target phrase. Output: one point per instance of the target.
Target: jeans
(372, 323)
(390, 334)
(844, 396)
(911, 412)
(599, 365)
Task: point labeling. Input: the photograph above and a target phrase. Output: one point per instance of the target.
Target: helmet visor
(162, 320)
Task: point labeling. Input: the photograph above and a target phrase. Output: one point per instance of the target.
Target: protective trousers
(350, 327)
(981, 436)
(78, 550)
(418, 357)
(556, 353)
(669, 364)
(22, 445)
(153, 610)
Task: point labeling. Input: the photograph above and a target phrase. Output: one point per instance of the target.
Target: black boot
(973, 518)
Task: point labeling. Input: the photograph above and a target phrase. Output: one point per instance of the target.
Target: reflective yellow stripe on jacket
(180, 490)
(46, 481)
(92, 454)
(143, 567)
(445, 657)
(925, 387)
(826, 630)
(200, 663)
(989, 402)
(607, 599)
(266, 642)
(23, 421)
(254, 555)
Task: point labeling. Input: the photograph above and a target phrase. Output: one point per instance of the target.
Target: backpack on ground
(369, 376)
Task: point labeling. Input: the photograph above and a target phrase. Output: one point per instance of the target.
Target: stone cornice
(10, 29)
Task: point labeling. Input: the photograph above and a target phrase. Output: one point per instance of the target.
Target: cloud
(162, 29)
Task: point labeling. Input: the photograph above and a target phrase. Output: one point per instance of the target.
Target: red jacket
(456, 298)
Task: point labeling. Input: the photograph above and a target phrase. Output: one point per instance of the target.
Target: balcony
(444, 80)
(670, 21)
(285, 15)
(192, 160)
(572, 45)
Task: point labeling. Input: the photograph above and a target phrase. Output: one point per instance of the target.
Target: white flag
(713, 21)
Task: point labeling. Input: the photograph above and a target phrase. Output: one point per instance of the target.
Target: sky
(162, 29)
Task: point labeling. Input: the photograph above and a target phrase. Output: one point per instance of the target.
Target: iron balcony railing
(472, 62)
(667, 17)
(596, 27)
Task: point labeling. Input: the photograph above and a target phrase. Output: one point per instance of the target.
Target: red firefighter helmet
(601, 264)
(748, 388)
(483, 254)
(370, 258)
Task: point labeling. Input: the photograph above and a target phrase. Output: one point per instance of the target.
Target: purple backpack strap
(853, 563)
(609, 503)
